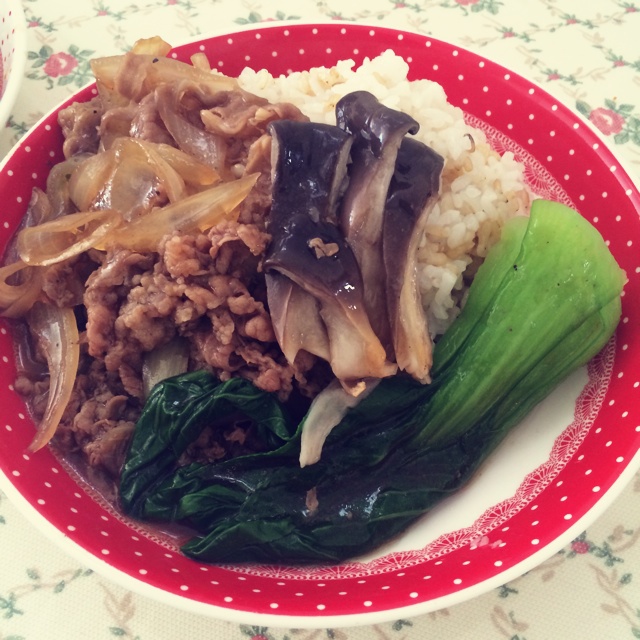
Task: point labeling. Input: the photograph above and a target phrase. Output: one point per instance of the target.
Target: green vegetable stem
(544, 302)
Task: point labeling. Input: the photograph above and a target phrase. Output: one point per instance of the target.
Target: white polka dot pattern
(565, 161)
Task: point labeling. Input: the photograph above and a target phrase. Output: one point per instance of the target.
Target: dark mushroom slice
(413, 191)
(308, 171)
(378, 132)
(315, 256)
(308, 168)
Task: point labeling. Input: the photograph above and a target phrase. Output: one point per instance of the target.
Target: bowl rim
(18, 61)
(311, 621)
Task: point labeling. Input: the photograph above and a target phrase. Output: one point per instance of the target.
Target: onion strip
(165, 361)
(17, 299)
(64, 237)
(154, 46)
(326, 411)
(167, 175)
(56, 331)
(188, 168)
(200, 211)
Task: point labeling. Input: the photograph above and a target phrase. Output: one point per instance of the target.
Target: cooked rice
(480, 189)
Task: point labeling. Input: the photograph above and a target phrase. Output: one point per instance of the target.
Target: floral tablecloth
(587, 55)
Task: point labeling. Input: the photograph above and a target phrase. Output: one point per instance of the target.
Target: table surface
(585, 54)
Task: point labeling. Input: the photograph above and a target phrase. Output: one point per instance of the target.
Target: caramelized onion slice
(130, 177)
(168, 177)
(17, 299)
(64, 237)
(56, 331)
(154, 46)
(89, 178)
(188, 168)
(166, 361)
(325, 412)
(200, 211)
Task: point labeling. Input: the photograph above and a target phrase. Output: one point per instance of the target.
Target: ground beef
(204, 291)
(197, 287)
(64, 282)
(206, 288)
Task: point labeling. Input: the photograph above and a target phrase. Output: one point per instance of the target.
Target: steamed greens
(545, 301)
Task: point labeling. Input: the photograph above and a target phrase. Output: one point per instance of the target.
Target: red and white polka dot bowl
(552, 476)
(13, 55)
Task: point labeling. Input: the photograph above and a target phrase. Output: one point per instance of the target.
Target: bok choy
(545, 301)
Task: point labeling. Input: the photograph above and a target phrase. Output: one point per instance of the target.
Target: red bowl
(552, 477)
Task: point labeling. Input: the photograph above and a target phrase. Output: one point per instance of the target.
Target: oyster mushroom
(307, 248)
(413, 191)
(378, 132)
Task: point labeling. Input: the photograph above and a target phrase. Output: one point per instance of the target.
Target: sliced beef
(79, 123)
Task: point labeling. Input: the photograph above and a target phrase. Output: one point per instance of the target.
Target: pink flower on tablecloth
(580, 546)
(553, 76)
(464, 3)
(103, 12)
(59, 64)
(609, 122)
(172, 1)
